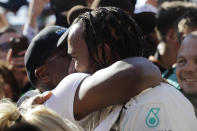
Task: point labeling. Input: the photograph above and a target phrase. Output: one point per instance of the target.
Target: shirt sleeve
(63, 95)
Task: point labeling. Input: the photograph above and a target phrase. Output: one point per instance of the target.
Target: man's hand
(17, 66)
(16, 63)
(40, 99)
(35, 8)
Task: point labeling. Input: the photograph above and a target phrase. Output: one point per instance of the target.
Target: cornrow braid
(111, 26)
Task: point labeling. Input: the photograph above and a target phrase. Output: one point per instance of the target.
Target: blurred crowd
(98, 65)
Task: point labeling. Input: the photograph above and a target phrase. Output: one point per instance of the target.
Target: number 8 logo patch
(152, 119)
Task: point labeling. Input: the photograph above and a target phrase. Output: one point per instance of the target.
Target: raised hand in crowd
(18, 66)
(35, 8)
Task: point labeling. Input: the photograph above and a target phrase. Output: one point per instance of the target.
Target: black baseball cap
(40, 48)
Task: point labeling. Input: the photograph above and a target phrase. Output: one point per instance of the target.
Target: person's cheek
(72, 68)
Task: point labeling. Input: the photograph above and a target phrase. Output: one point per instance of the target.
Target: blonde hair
(39, 116)
(8, 114)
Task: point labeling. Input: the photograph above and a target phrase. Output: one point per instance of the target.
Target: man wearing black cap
(46, 64)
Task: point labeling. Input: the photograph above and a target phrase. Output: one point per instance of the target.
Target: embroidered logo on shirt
(60, 31)
(152, 119)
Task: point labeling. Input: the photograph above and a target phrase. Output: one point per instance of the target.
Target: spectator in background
(16, 64)
(39, 116)
(127, 5)
(3, 19)
(31, 27)
(186, 69)
(147, 26)
(8, 83)
(15, 60)
(166, 54)
(75, 11)
(187, 23)
(58, 8)
(5, 34)
(167, 16)
(151, 5)
(148, 6)
(61, 8)
(89, 3)
(13, 5)
(2, 92)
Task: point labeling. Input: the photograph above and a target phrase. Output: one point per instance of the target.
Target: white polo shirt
(162, 108)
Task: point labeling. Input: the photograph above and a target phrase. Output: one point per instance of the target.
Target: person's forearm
(115, 85)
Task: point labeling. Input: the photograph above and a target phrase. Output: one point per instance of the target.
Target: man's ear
(107, 51)
(42, 74)
(172, 37)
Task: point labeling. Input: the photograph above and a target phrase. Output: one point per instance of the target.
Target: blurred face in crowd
(186, 69)
(78, 50)
(4, 43)
(185, 29)
(5, 89)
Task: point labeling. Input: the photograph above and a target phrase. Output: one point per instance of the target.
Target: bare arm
(34, 10)
(115, 85)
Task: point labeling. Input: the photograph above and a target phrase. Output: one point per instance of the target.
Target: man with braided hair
(97, 40)
(107, 39)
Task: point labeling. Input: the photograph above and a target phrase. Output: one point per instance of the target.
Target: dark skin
(78, 51)
(124, 79)
(113, 85)
(53, 70)
(96, 92)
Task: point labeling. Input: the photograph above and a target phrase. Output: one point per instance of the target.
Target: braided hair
(114, 27)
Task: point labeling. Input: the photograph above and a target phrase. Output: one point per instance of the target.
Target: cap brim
(63, 38)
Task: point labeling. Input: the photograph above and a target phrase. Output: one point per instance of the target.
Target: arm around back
(115, 84)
